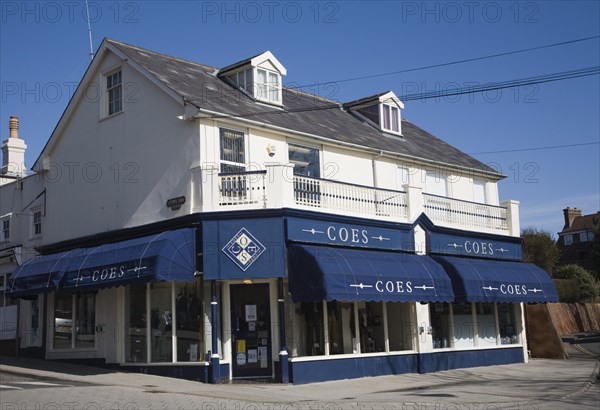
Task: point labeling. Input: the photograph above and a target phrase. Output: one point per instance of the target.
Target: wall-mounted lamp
(248, 282)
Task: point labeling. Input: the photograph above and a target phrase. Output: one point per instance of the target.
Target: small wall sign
(175, 203)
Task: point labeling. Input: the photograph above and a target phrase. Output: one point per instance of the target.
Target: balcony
(277, 187)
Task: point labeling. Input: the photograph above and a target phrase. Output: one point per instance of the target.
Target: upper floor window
(268, 86)
(5, 229)
(568, 240)
(479, 191)
(305, 160)
(114, 93)
(435, 183)
(36, 222)
(391, 118)
(233, 150)
(259, 76)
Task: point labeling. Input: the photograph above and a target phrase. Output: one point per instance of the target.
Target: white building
(209, 223)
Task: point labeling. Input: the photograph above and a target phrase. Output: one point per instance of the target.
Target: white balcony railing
(349, 198)
(243, 188)
(277, 187)
(464, 213)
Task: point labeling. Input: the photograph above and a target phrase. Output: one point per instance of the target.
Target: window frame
(264, 90)
(306, 147)
(5, 234)
(388, 117)
(242, 165)
(36, 227)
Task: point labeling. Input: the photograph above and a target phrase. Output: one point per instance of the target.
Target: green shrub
(588, 289)
(568, 290)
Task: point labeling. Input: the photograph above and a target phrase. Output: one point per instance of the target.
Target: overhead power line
(546, 78)
(467, 60)
(565, 75)
(535, 148)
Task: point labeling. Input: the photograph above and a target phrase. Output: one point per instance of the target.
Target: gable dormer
(258, 76)
(381, 110)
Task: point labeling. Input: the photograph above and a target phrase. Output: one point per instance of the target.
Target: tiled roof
(302, 112)
(584, 222)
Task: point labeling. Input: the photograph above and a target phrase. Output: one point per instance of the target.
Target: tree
(588, 290)
(539, 248)
(596, 250)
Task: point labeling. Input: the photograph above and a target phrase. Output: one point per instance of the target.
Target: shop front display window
(507, 323)
(342, 329)
(161, 322)
(74, 320)
(440, 317)
(463, 325)
(188, 321)
(371, 326)
(135, 324)
(401, 329)
(486, 324)
(309, 322)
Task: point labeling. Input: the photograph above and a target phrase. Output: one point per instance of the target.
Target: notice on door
(252, 356)
(262, 357)
(241, 359)
(241, 346)
(250, 313)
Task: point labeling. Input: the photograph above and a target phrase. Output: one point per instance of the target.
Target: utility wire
(565, 75)
(535, 148)
(467, 60)
(546, 78)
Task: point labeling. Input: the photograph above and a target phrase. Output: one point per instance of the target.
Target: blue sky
(44, 52)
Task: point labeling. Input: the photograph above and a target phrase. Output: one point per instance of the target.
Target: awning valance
(328, 273)
(169, 256)
(40, 274)
(477, 280)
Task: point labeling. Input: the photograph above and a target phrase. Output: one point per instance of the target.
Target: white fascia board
(391, 97)
(267, 55)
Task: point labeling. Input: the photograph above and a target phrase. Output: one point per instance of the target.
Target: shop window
(507, 323)
(486, 324)
(74, 320)
(440, 319)
(309, 322)
(135, 324)
(463, 325)
(371, 326)
(175, 317)
(161, 322)
(188, 321)
(341, 326)
(401, 329)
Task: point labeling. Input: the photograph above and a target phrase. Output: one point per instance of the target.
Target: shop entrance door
(251, 331)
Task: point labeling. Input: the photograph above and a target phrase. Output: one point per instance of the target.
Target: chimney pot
(13, 127)
(570, 214)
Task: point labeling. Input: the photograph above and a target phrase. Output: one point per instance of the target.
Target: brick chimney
(13, 151)
(570, 215)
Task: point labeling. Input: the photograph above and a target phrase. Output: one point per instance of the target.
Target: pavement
(541, 383)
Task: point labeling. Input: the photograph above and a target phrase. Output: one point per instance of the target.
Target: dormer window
(259, 77)
(382, 110)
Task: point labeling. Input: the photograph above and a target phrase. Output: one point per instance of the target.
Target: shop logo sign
(244, 249)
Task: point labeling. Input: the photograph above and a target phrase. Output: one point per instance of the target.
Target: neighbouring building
(576, 240)
(212, 224)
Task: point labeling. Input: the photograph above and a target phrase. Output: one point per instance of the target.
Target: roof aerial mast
(87, 9)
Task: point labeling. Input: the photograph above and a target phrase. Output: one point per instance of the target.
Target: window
(371, 113)
(114, 92)
(479, 191)
(435, 183)
(305, 160)
(175, 327)
(507, 323)
(36, 222)
(402, 177)
(5, 300)
(568, 240)
(587, 236)
(233, 158)
(74, 320)
(390, 118)
(244, 80)
(486, 324)
(440, 318)
(341, 326)
(309, 321)
(268, 87)
(5, 229)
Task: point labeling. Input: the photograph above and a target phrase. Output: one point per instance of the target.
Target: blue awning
(327, 273)
(169, 256)
(477, 280)
(39, 274)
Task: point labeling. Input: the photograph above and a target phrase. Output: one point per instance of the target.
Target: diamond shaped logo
(243, 249)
